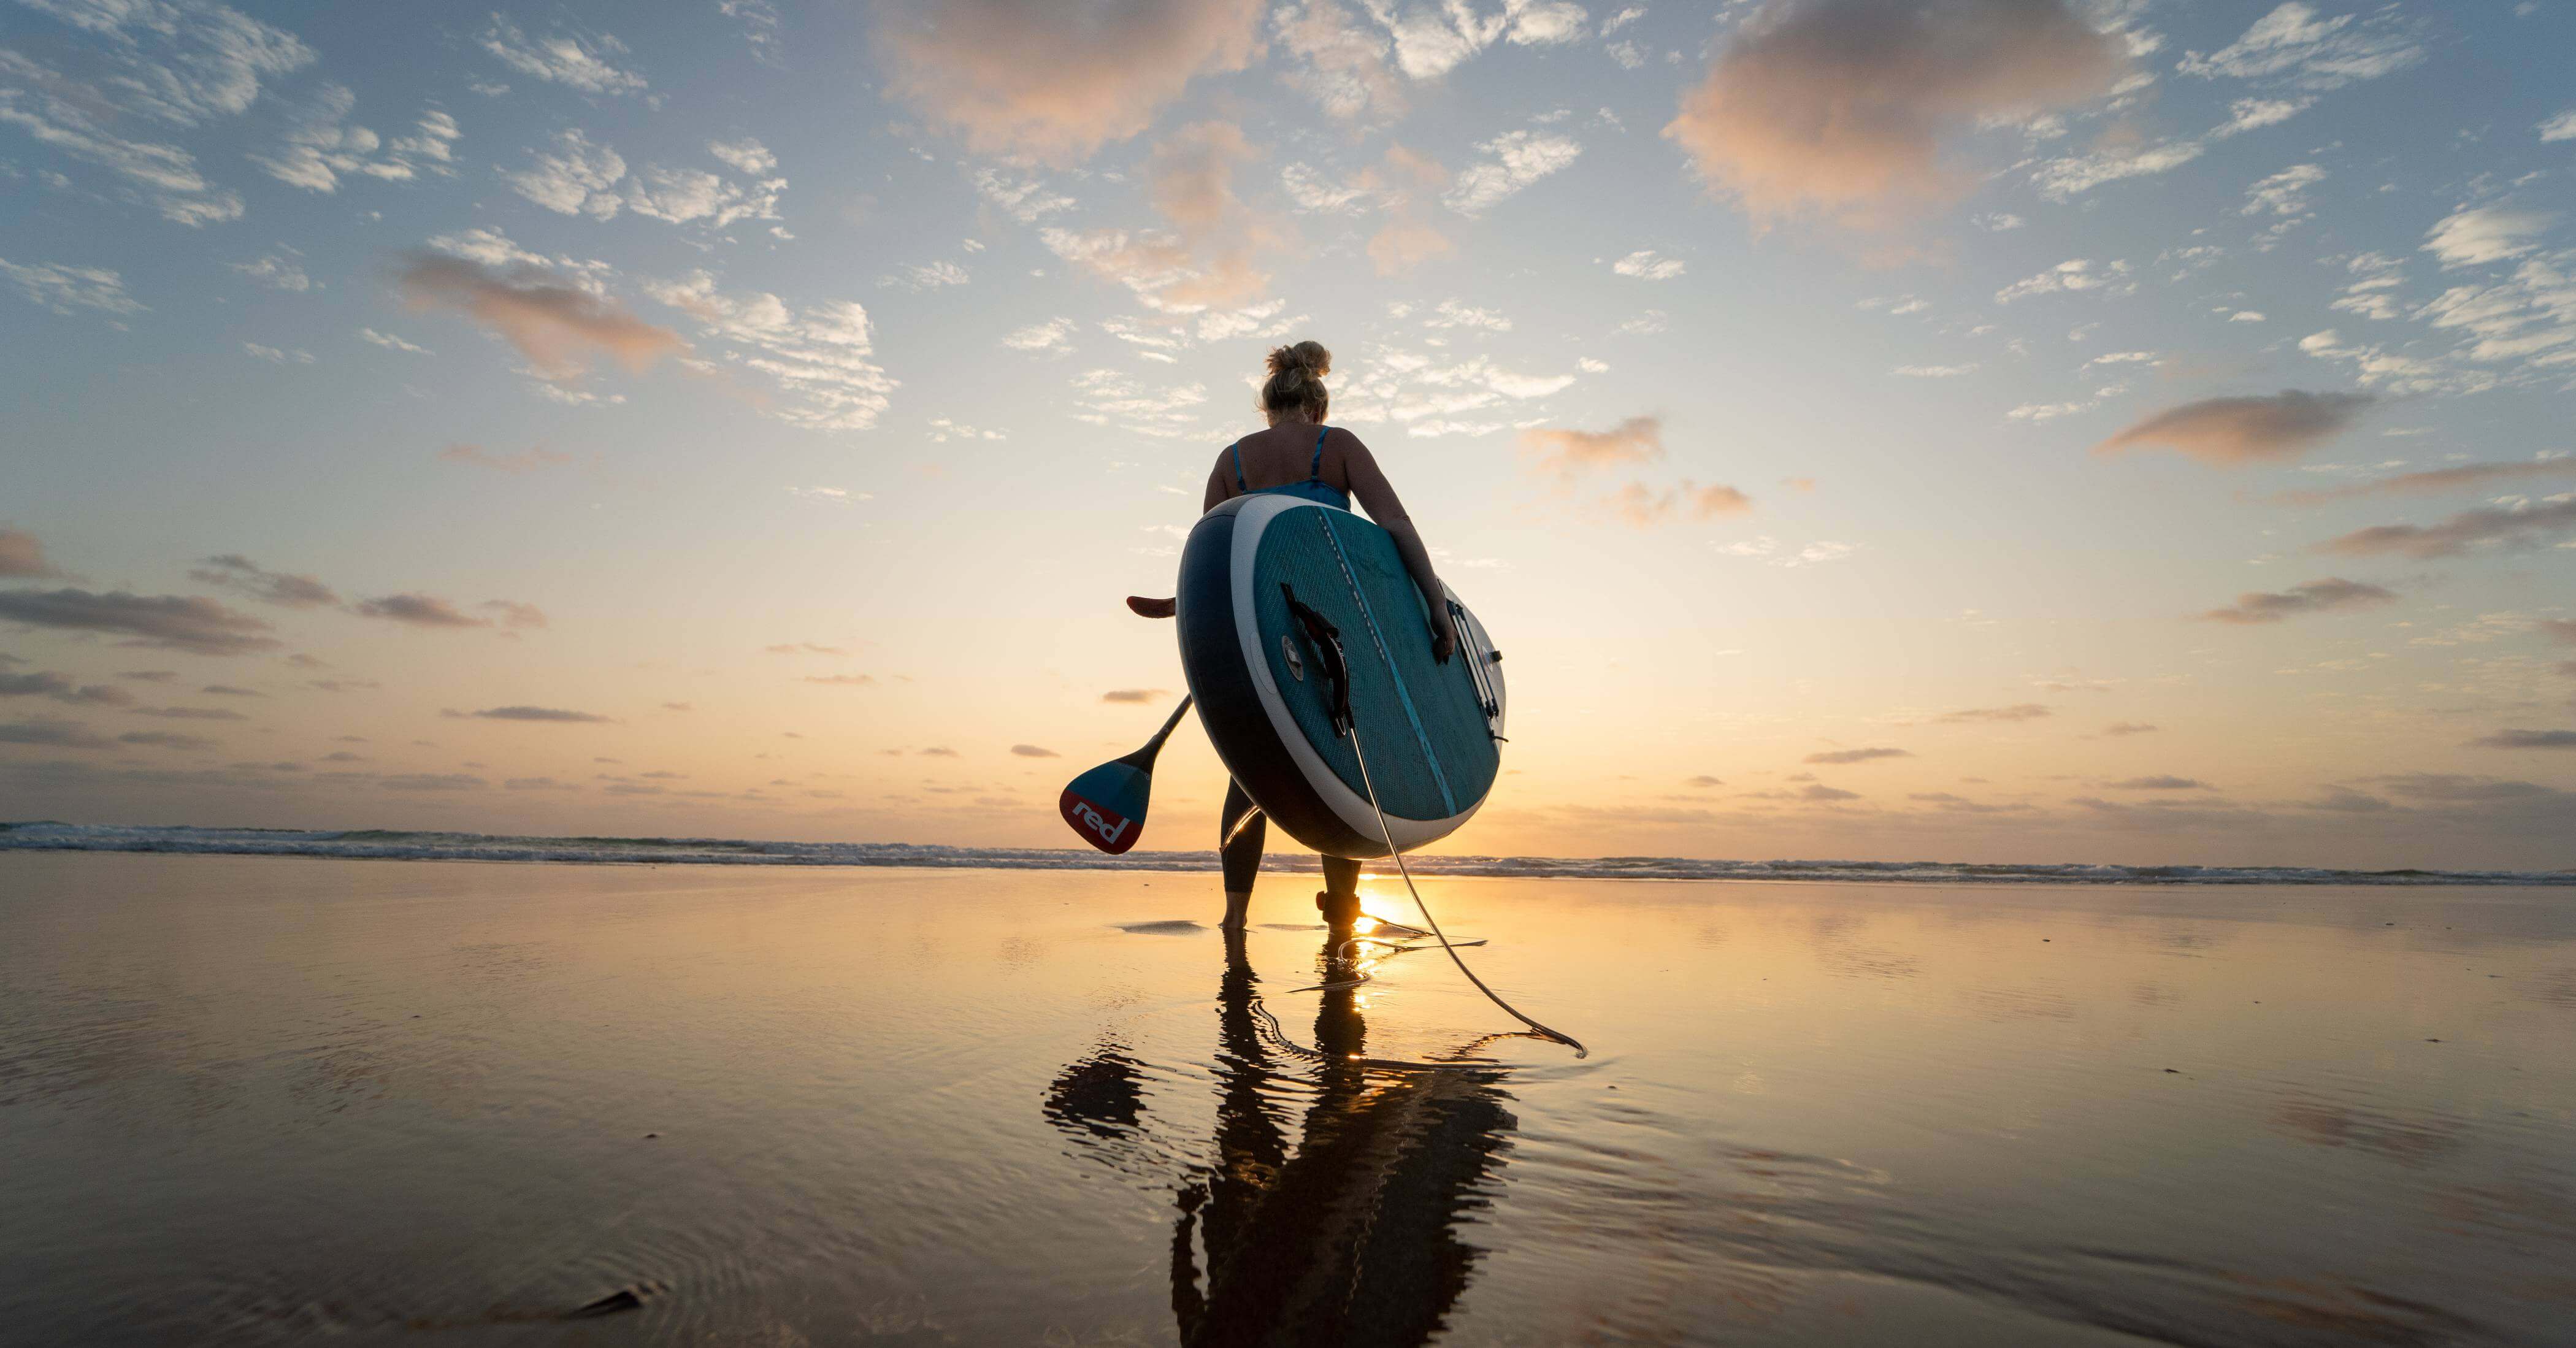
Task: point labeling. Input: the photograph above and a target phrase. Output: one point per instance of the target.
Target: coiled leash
(1327, 641)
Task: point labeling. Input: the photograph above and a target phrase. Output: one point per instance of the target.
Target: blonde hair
(1296, 382)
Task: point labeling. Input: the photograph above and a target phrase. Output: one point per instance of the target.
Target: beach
(286, 1099)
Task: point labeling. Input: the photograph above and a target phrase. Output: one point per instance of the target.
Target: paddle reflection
(1345, 1233)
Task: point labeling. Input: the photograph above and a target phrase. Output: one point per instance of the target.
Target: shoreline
(404, 845)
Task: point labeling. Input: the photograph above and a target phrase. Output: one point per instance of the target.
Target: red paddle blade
(1106, 806)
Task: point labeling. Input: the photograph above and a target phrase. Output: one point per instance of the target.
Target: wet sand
(253, 1100)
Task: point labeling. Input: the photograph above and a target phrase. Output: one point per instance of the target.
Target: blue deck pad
(1430, 752)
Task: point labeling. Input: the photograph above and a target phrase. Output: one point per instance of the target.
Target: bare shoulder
(1345, 447)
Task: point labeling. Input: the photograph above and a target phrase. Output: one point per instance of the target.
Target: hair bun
(1308, 358)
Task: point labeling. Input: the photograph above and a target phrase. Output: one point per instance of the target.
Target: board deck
(1431, 730)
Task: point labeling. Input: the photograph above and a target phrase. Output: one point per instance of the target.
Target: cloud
(1818, 791)
(1055, 82)
(238, 573)
(276, 273)
(2019, 711)
(2316, 596)
(61, 689)
(2072, 275)
(192, 713)
(1704, 781)
(181, 64)
(23, 557)
(578, 178)
(2283, 193)
(1840, 108)
(526, 713)
(1033, 751)
(392, 343)
(1856, 755)
(845, 680)
(2461, 532)
(821, 359)
(2291, 45)
(803, 648)
(2560, 127)
(1055, 336)
(1648, 265)
(938, 751)
(558, 328)
(1514, 160)
(513, 614)
(589, 66)
(1643, 507)
(2121, 728)
(1406, 183)
(431, 781)
(746, 155)
(2161, 784)
(165, 739)
(2457, 478)
(322, 146)
(66, 289)
(2233, 432)
(2486, 234)
(1344, 66)
(418, 610)
(1568, 454)
(51, 734)
(525, 461)
(2528, 739)
(171, 622)
(1135, 695)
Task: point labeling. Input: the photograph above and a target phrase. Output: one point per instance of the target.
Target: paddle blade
(1107, 805)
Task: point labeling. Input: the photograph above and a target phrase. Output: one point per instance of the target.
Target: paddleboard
(1264, 580)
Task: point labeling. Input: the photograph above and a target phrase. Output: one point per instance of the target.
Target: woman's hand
(1444, 639)
(1151, 608)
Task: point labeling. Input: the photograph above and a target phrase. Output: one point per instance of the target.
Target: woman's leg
(1340, 901)
(1239, 843)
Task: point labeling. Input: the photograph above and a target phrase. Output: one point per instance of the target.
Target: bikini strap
(1315, 470)
(1240, 486)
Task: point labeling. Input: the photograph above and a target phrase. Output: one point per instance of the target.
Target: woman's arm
(1377, 496)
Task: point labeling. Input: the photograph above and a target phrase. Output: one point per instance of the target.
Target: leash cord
(1454, 957)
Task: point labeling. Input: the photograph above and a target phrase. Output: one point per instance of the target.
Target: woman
(1300, 456)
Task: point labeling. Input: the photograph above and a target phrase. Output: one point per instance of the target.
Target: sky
(1963, 430)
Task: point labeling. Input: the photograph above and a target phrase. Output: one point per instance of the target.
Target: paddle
(1107, 804)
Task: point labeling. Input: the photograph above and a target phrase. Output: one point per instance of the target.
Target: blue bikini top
(1314, 488)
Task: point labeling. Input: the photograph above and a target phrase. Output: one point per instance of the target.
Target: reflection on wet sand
(1350, 1235)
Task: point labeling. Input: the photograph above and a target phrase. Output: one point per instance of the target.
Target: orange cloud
(1568, 454)
(1055, 82)
(1840, 107)
(555, 326)
(2233, 432)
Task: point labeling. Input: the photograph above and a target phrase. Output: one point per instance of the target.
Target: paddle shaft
(1144, 757)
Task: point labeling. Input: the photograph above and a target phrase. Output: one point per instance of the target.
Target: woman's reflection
(1350, 1240)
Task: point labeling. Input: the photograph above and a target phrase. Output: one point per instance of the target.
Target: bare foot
(1151, 608)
